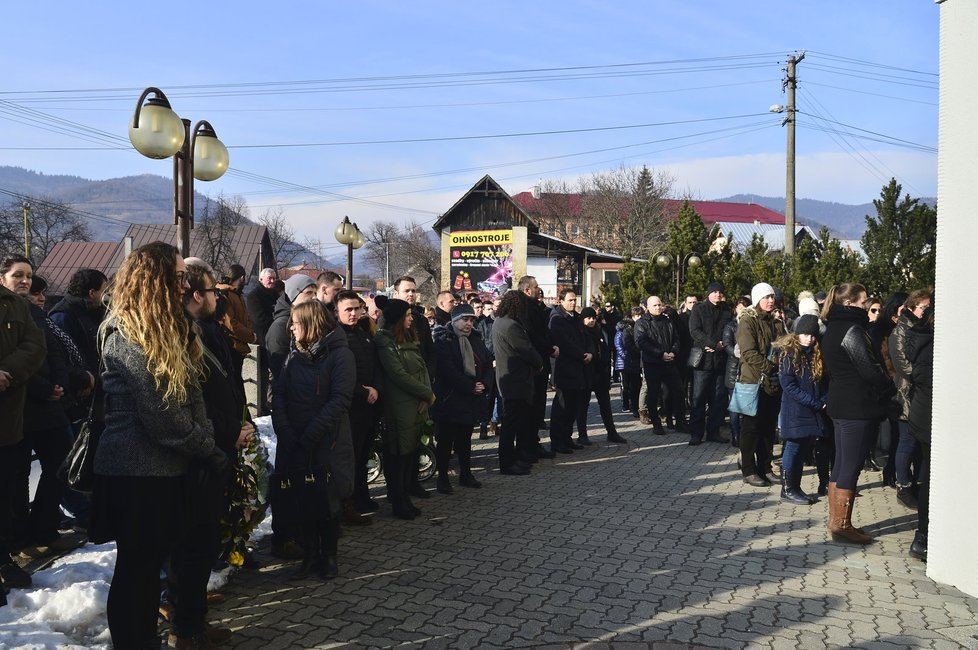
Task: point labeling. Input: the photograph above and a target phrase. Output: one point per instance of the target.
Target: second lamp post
(665, 260)
(350, 236)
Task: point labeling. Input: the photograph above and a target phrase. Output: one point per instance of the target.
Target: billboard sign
(481, 262)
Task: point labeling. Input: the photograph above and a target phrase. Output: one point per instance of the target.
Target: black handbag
(696, 356)
(297, 497)
(78, 468)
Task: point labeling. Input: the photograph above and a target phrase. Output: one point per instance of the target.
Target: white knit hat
(759, 291)
(808, 306)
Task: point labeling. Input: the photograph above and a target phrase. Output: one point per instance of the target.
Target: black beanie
(394, 311)
(715, 286)
(807, 324)
(588, 312)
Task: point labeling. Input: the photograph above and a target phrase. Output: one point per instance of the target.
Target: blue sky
(596, 65)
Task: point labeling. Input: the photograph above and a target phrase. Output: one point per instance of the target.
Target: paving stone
(653, 544)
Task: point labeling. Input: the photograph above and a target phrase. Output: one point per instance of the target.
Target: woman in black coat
(919, 350)
(859, 394)
(310, 414)
(462, 378)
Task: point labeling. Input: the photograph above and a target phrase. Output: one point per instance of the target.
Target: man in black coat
(363, 408)
(517, 362)
(278, 339)
(610, 326)
(570, 374)
(658, 339)
(706, 324)
(260, 302)
(198, 546)
(406, 289)
(80, 313)
(538, 329)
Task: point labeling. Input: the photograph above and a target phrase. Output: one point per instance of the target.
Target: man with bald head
(658, 340)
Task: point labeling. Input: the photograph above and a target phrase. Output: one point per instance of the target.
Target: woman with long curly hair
(803, 382)
(155, 425)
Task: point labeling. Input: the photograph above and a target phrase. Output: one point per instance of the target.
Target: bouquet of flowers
(248, 496)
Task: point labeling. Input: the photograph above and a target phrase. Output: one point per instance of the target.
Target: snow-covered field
(65, 609)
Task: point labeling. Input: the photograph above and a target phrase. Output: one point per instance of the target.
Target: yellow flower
(235, 558)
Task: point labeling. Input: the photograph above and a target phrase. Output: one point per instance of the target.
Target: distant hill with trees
(843, 220)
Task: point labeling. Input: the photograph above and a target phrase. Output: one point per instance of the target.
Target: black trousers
(541, 383)
(15, 470)
(194, 554)
(564, 412)
(602, 392)
(453, 437)
(519, 430)
(631, 386)
(852, 440)
(51, 447)
(657, 375)
(144, 515)
(362, 427)
(923, 495)
(757, 435)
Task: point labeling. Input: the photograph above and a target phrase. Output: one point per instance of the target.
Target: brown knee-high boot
(840, 517)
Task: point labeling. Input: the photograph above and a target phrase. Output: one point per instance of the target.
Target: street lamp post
(157, 132)
(350, 236)
(665, 260)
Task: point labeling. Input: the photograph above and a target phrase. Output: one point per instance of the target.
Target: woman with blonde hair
(155, 425)
(310, 413)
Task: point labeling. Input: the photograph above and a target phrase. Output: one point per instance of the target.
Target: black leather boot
(791, 490)
(918, 548)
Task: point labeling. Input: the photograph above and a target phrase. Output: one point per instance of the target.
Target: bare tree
(623, 211)
(392, 250)
(49, 222)
(216, 223)
(284, 245)
(556, 206)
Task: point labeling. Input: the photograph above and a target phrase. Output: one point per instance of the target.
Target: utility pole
(27, 242)
(790, 83)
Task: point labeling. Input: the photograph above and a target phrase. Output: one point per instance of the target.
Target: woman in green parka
(407, 396)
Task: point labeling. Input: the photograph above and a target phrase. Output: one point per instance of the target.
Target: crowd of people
(155, 358)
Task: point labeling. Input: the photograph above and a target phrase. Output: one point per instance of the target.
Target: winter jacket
(145, 436)
(517, 360)
(237, 321)
(902, 367)
(425, 340)
(40, 413)
(278, 338)
(310, 411)
(368, 372)
(455, 402)
(655, 336)
(803, 401)
(222, 388)
(756, 332)
(261, 308)
(685, 338)
(567, 333)
(629, 357)
(538, 328)
(919, 348)
(706, 323)
(599, 370)
(406, 385)
(80, 321)
(732, 371)
(859, 388)
(22, 353)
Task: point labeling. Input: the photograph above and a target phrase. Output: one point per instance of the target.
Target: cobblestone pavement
(653, 544)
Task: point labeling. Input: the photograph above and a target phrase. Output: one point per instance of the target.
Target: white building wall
(953, 539)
